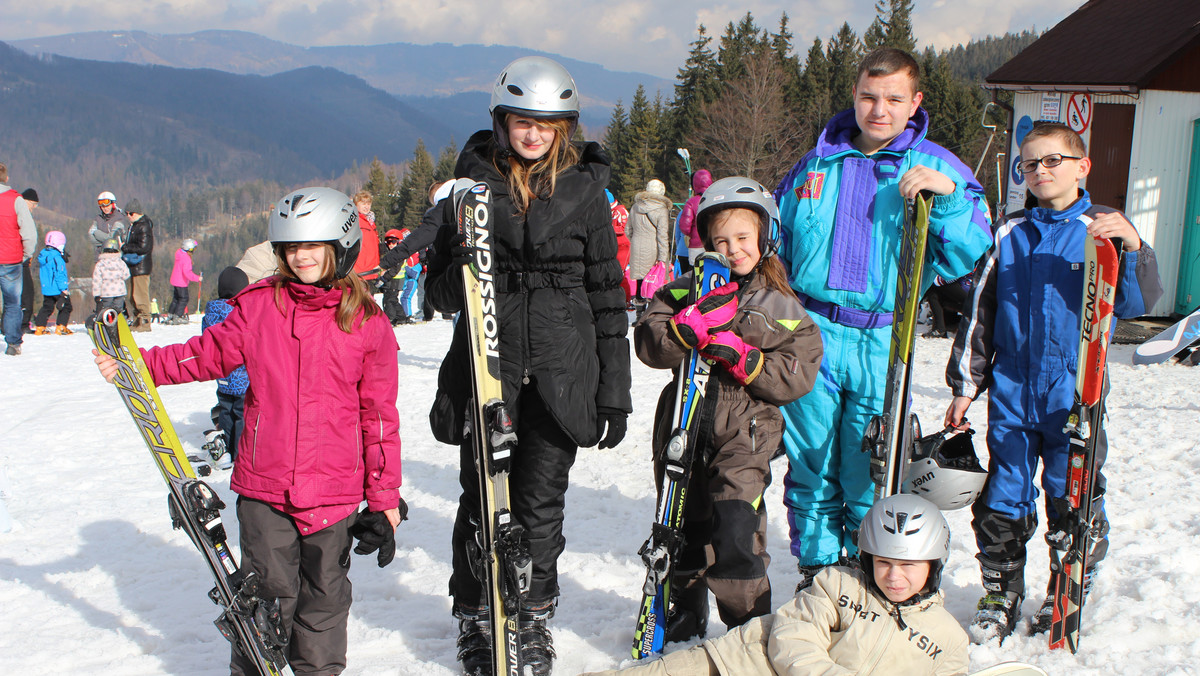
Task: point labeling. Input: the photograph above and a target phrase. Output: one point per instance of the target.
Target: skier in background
(843, 211)
(768, 352)
(690, 241)
(108, 280)
(563, 348)
(228, 415)
(620, 220)
(368, 255)
(110, 223)
(649, 240)
(56, 294)
(181, 276)
(1019, 340)
(312, 330)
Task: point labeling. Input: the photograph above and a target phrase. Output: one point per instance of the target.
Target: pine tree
(414, 189)
(446, 159)
(616, 144)
(816, 102)
(645, 144)
(892, 26)
(695, 84)
(385, 195)
(843, 53)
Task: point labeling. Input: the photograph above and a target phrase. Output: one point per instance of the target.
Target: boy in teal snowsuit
(842, 209)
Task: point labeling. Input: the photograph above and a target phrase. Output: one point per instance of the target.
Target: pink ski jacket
(181, 274)
(321, 426)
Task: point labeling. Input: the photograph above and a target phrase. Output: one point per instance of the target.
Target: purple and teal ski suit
(842, 215)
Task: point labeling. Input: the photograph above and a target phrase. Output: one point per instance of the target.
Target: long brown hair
(355, 297)
(528, 180)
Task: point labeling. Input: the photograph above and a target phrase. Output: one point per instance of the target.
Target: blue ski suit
(842, 215)
(1019, 340)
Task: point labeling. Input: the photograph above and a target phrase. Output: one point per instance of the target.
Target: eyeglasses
(104, 203)
(1050, 161)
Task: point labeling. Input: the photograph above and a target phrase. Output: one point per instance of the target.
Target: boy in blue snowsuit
(1019, 340)
(228, 415)
(843, 208)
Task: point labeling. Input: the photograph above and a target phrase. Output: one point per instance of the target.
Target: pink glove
(714, 312)
(744, 362)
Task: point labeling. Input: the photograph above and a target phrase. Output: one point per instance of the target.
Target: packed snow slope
(94, 581)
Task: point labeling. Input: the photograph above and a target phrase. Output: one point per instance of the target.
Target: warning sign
(1051, 106)
(1079, 112)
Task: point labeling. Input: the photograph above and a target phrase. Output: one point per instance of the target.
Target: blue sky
(648, 36)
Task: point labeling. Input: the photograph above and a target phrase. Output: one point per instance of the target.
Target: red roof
(1122, 44)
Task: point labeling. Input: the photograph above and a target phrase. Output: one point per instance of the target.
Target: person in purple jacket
(322, 429)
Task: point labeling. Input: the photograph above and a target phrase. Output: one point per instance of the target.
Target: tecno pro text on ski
(1071, 544)
(251, 623)
(890, 435)
(711, 272)
(500, 556)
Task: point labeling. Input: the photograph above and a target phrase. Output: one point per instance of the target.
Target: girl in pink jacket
(321, 428)
(181, 276)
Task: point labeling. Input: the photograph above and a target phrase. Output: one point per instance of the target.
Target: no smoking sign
(1079, 112)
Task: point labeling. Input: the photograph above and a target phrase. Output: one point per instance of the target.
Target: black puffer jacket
(141, 241)
(560, 303)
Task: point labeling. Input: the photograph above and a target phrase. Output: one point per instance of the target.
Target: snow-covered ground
(94, 581)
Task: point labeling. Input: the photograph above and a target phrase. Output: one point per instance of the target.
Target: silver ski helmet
(189, 244)
(533, 86)
(747, 193)
(319, 215)
(905, 527)
(945, 470)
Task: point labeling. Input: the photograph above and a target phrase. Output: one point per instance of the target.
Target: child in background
(181, 276)
(108, 279)
(221, 442)
(326, 430)
(884, 617)
(52, 269)
(768, 352)
(1019, 339)
(154, 315)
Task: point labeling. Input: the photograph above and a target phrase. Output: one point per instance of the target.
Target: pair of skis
(889, 436)
(666, 539)
(1071, 547)
(500, 556)
(251, 623)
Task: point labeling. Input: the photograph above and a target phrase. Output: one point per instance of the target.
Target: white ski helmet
(319, 215)
(105, 198)
(945, 470)
(905, 527)
(739, 191)
(533, 86)
(189, 244)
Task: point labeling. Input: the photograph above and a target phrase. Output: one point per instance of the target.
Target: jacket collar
(838, 136)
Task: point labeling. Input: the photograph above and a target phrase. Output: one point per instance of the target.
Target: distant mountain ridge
(402, 69)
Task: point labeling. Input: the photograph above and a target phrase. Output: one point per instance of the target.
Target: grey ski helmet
(319, 215)
(533, 86)
(945, 470)
(905, 527)
(189, 244)
(739, 191)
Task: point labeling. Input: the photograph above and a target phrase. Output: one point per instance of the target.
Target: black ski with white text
(500, 555)
(658, 553)
(252, 624)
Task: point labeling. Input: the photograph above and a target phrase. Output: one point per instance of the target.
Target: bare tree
(747, 130)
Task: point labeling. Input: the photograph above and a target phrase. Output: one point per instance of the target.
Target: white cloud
(648, 36)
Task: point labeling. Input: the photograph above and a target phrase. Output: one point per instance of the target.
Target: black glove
(373, 531)
(614, 421)
(379, 283)
(460, 253)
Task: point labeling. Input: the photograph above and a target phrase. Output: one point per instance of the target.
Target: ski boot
(687, 616)
(474, 640)
(537, 644)
(62, 330)
(995, 617)
(214, 443)
(199, 465)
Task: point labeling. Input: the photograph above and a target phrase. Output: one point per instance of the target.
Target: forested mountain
(402, 69)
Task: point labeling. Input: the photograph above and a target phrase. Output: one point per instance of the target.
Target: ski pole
(199, 294)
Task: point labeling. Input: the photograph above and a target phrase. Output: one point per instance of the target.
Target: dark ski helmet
(319, 215)
(905, 527)
(945, 470)
(533, 86)
(747, 193)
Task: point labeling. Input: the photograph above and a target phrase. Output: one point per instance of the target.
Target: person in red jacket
(322, 429)
(368, 253)
(620, 219)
